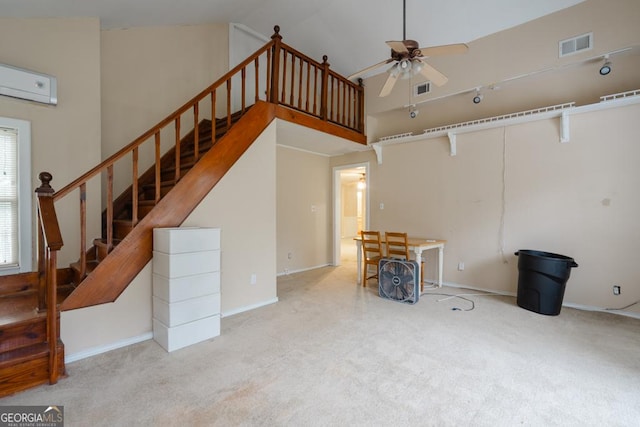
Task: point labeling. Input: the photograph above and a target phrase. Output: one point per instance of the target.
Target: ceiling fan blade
(372, 67)
(447, 49)
(433, 75)
(398, 46)
(388, 85)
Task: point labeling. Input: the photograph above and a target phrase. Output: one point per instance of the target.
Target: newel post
(49, 243)
(44, 190)
(324, 96)
(275, 65)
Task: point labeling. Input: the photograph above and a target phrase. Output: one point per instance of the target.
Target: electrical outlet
(616, 290)
(461, 266)
(254, 279)
(290, 255)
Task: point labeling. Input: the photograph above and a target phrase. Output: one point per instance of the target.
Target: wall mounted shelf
(562, 111)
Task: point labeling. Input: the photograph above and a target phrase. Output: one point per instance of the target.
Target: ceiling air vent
(421, 88)
(576, 44)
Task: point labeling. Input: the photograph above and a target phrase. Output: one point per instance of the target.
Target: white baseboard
(249, 307)
(104, 348)
(603, 310)
(564, 304)
(287, 272)
(473, 288)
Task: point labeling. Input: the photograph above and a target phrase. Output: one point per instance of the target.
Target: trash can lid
(546, 255)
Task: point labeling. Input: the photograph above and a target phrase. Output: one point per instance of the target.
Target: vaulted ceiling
(352, 33)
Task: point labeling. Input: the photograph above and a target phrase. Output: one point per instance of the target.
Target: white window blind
(16, 193)
(9, 230)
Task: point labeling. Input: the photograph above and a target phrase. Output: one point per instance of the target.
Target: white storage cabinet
(186, 286)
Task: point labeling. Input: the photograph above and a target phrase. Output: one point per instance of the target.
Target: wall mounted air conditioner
(29, 85)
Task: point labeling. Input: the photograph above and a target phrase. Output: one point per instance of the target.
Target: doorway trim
(337, 205)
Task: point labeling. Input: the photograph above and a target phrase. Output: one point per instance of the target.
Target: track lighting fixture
(478, 98)
(606, 67)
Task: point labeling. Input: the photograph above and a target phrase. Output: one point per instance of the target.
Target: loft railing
(309, 86)
(275, 73)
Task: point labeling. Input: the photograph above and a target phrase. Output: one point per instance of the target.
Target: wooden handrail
(282, 76)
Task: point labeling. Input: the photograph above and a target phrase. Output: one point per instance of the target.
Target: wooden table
(417, 245)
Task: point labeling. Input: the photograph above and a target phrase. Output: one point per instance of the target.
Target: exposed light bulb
(361, 184)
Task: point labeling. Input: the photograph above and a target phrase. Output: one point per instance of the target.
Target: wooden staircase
(298, 89)
(24, 348)
(123, 221)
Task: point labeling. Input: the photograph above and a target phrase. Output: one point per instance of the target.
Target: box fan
(399, 280)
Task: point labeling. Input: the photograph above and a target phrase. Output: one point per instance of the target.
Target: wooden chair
(398, 247)
(371, 253)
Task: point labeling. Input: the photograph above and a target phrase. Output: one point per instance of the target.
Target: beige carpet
(331, 353)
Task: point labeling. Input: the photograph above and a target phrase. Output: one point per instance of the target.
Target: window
(15, 196)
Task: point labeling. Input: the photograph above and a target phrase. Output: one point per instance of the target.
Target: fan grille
(398, 280)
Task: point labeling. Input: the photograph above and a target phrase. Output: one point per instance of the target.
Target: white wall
(243, 205)
(65, 139)
(147, 74)
(520, 188)
(303, 210)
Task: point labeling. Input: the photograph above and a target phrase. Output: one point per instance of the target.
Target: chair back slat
(397, 245)
(371, 244)
(372, 251)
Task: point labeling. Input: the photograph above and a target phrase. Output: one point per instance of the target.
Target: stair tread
(16, 309)
(33, 351)
(18, 283)
(141, 203)
(101, 241)
(123, 221)
(162, 184)
(183, 165)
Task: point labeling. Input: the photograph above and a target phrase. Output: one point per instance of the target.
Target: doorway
(351, 209)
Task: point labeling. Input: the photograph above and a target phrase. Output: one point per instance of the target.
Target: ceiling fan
(409, 59)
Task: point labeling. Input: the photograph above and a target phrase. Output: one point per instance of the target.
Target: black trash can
(542, 278)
